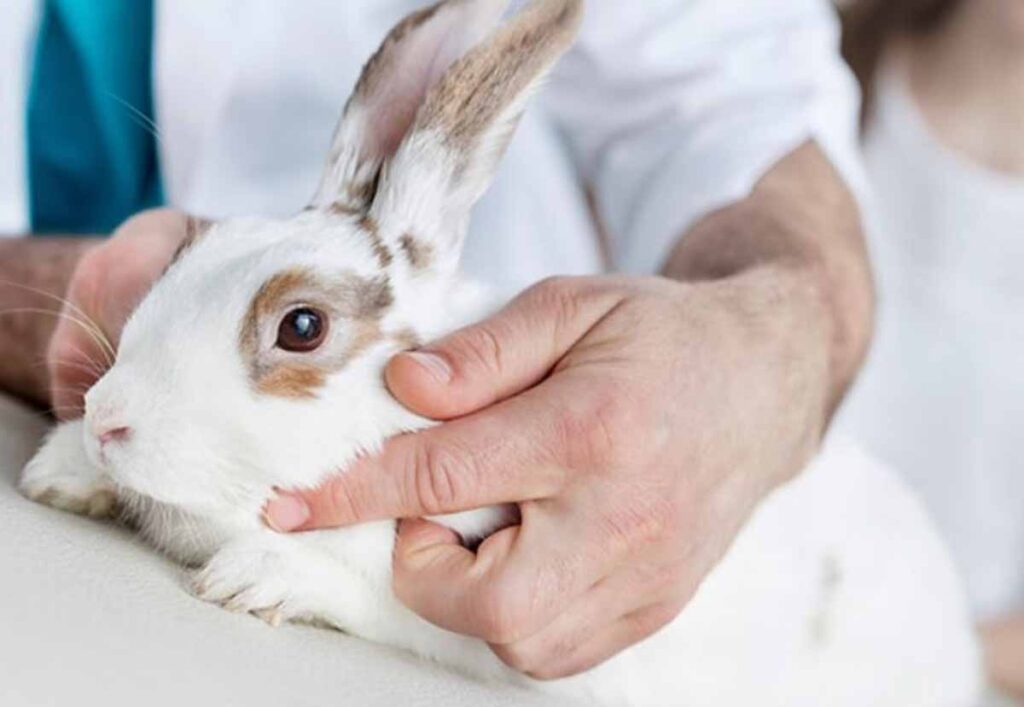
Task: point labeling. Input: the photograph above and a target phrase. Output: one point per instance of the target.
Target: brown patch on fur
(354, 303)
(296, 382)
(407, 339)
(340, 208)
(380, 249)
(276, 289)
(370, 298)
(490, 77)
(361, 193)
(419, 254)
(367, 333)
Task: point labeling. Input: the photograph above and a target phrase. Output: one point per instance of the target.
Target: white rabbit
(256, 361)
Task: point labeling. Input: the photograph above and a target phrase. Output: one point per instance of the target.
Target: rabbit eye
(302, 330)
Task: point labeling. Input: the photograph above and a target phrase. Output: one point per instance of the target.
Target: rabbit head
(256, 360)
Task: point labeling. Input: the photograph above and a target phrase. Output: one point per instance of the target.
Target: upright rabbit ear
(449, 156)
(396, 80)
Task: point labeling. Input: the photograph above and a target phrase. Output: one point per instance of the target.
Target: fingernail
(286, 513)
(435, 366)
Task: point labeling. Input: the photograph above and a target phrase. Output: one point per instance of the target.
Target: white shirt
(668, 109)
(942, 397)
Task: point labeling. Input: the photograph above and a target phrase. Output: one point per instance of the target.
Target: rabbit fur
(837, 593)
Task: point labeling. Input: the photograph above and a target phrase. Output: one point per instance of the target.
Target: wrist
(796, 242)
(775, 321)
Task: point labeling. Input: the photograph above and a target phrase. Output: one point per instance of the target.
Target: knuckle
(438, 478)
(479, 347)
(666, 580)
(646, 623)
(642, 521)
(546, 671)
(342, 500)
(561, 296)
(609, 428)
(600, 431)
(500, 615)
(556, 285)
(520, 657)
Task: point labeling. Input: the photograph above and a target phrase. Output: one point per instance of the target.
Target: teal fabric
(92, 155)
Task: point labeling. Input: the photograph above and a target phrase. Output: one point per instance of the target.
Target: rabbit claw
(248, 579)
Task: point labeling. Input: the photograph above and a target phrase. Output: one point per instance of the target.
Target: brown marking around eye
(419, 253)
(294, 381)
(357, 304)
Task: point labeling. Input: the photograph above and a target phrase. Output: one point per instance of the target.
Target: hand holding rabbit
(108, 283)
(602, 404)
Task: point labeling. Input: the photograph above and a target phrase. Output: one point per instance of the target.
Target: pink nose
(114, 434)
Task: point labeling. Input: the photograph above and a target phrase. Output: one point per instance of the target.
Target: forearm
(793, 254)
(1004, 652)
(33, 271)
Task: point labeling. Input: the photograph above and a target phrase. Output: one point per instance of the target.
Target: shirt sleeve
(675, 108)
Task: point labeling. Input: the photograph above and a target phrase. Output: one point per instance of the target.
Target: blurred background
(942, 397)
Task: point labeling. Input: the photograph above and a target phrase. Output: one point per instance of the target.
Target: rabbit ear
(449, 156)
(394, 83)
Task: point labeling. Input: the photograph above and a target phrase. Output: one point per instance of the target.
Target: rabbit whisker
(98, 338)
(69, 304)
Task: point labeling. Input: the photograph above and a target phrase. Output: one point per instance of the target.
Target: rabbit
(256, 363)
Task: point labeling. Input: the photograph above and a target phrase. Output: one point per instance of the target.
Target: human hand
(1003, 641)
(108, 283)
(637, 423)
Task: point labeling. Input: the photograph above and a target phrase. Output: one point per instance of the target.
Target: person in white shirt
(717, 141)
(941, 397)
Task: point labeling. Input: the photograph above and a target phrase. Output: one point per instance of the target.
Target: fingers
(525, 448)
(540, 618)
(590, 646)
(504, 355)
(516, 583)
(615, 614)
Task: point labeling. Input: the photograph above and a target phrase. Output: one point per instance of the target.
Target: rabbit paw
(61, 476)
(255, 578)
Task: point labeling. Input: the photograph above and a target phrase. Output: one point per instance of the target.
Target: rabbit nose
(113, 434)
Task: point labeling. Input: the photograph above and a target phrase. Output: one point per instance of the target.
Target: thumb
(502, 356)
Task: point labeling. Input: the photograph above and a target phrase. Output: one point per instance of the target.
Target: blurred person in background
(942, 397)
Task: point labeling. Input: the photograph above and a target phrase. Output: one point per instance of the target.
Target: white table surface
(89, 616)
